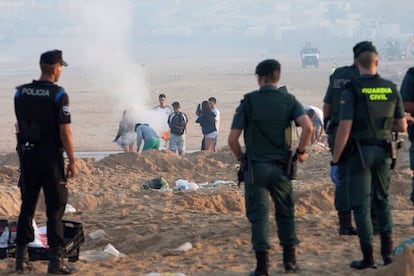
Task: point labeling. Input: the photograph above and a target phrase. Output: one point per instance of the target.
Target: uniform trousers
(369, 188)
(42, 167)
(269, 181)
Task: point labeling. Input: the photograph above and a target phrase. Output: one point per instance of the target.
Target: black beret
(267, 67)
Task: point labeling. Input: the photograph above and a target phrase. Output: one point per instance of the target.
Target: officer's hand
(71, 170)
(302, 157)
(335, 174)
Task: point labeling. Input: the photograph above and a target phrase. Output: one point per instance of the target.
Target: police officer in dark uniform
(371, 108)
(337, 81)
(407, 95)
(44, 132)
(265, 116)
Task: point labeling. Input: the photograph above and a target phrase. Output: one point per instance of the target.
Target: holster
(291, 167)
(242, 169)
(410, 131)
(24, 149)
(392, 149)
(350, 149)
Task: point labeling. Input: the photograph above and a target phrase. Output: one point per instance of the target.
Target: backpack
(177, 123)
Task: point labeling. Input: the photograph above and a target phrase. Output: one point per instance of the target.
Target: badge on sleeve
(66, 110)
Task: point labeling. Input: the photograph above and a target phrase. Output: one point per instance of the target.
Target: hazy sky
(110, 35)
(179, 19)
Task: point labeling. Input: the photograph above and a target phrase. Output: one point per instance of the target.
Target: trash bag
(156, 183)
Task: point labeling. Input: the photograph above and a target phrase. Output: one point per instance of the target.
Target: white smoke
(103, 42)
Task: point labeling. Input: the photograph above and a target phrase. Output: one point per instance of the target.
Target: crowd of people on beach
(172, 136)
(361, 113)
(130, 134)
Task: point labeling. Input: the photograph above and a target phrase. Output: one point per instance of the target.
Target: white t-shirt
(165, 111)
(318, 112)
(217, 117)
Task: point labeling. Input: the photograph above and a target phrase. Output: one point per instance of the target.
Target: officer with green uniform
(265, 116)
(407, 95)
(337, 81)
(371, 108)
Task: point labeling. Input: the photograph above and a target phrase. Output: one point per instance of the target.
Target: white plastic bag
(40, 236)
(183, 184)
(111, 250)
(4, 237)
(184, 247)
(220, 182)
(69, 209)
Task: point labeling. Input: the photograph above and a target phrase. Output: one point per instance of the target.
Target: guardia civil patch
(66, 110)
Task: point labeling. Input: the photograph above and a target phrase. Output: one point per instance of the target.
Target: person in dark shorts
(207, 121)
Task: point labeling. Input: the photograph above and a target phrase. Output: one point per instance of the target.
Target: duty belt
(277, 162)
(373, 142)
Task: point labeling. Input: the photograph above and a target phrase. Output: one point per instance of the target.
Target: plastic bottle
(110, 249)
(97, 234)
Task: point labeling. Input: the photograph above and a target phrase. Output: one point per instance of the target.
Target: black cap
(267, 67)
(364, 46)
(52, 57)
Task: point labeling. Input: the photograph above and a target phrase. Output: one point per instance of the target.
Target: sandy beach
(147, 226)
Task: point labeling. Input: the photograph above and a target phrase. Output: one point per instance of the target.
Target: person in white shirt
(163, 107)
(316, 116)
(165, 111)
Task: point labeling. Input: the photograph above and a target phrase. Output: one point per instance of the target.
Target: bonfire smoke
(103, 30)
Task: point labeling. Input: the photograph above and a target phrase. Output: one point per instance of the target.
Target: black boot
(23, 263)
(56, 263)
(367, 261)
(386, 247)
(345, 223)
(262, 258)
(289, 259)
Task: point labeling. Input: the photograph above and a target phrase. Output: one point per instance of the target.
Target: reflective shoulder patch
(66, 110)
